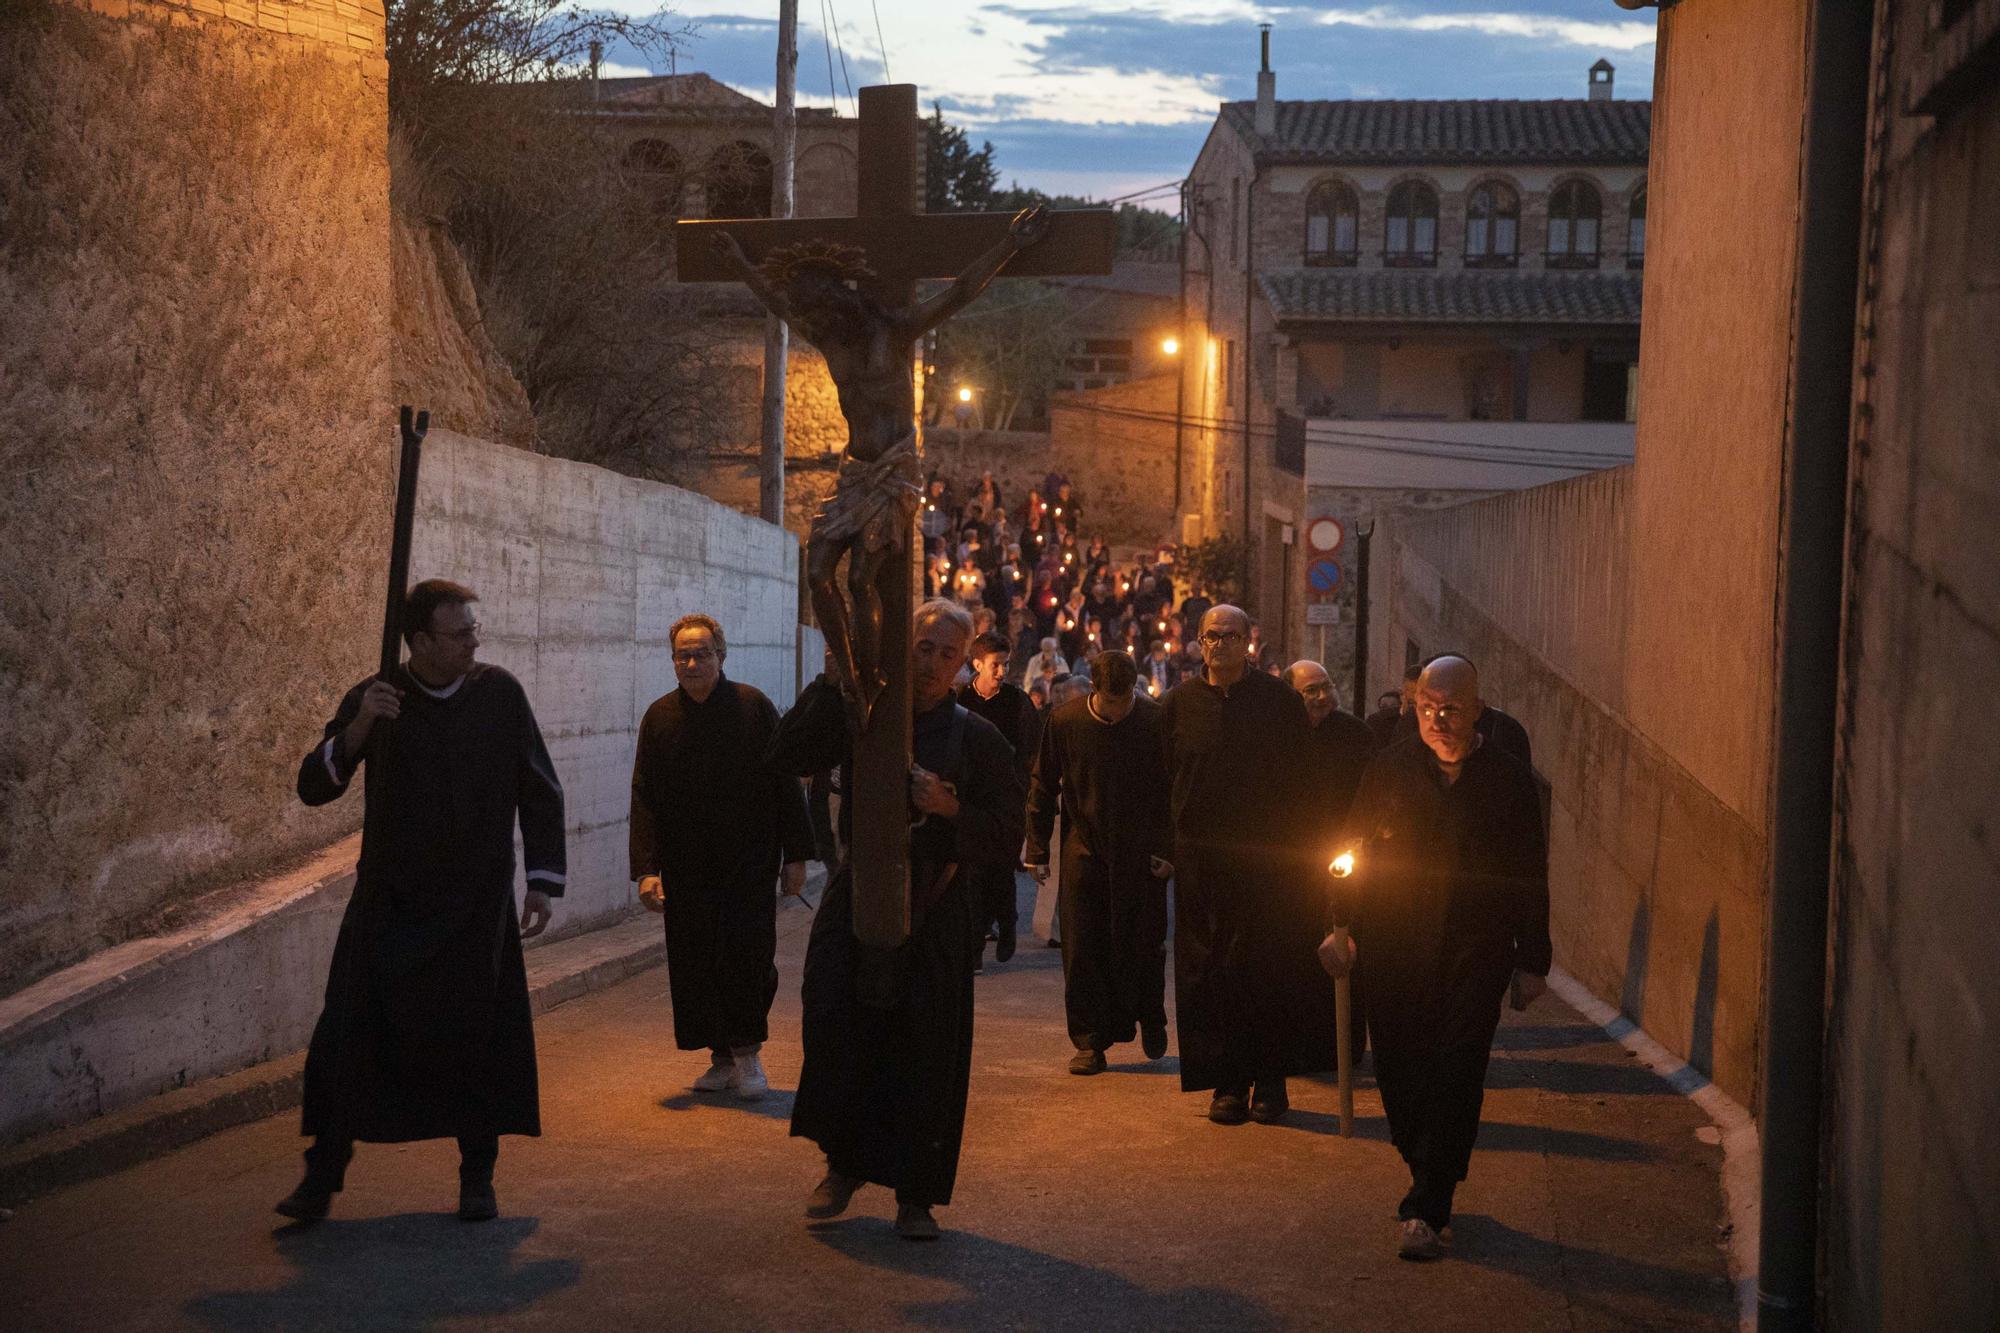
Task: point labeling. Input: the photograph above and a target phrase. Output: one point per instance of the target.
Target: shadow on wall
(1632, 999)
(1701, 1041)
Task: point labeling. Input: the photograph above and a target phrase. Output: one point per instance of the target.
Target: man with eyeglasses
(888, 1034)
(711, 826)
(1448, 905)
(1234, 739)
(426, 1031)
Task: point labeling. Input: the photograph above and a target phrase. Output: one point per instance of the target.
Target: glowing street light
(964, 393)
(1171, 346)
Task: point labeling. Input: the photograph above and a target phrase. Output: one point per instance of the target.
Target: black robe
(1013, 715)
(1246, 916)
(883, 1089)
(714, 823)
(426, 1031)
(1109, 783)
(1336, 754)
(1449, 897)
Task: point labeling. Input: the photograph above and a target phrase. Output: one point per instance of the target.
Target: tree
(956, 179)
(1009, 345)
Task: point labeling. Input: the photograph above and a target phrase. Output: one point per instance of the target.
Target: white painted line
(1742, 1158)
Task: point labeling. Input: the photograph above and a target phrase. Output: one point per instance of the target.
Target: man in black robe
(1336, 755)
(1448, 903)
(1387, 720)
(426, 1031)
(1233, 740)
(1101, 768)
(711, 825)
(1013, 715)
(888, 1037)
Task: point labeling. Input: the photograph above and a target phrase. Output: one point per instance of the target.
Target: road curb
(558, 973)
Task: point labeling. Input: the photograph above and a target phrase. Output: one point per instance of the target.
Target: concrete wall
(195, 276)
(1656, 886)
(1912, 1198)
(580, 572)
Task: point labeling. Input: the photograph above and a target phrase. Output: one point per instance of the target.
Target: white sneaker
(721, 1075)
(751, 1082)
(1419, 1241)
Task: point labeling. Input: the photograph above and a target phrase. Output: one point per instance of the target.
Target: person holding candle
(1444, 909)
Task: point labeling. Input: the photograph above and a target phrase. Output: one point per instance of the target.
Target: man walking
(1013, 715)
(711, 825)
(1100, 767)
(1233, 737)
(888, 1038)
(426, 1031)
(1447, 903)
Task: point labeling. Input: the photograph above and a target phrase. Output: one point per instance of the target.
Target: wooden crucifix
(800, 269)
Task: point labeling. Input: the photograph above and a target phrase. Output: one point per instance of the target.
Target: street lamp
(964, 393)
(1171, 346)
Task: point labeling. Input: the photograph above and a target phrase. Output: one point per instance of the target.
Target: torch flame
(1343, 865)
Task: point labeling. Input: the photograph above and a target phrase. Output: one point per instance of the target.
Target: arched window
(654, 168)
(1635, 236)
(1574, 213)
(1410, 239)
(738, 181)
(1492, 226)
(1333, 225)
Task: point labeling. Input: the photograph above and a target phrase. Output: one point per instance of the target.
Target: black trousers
(993, 904)
(327, 1158)
(1430, 1064)
(1114, 939)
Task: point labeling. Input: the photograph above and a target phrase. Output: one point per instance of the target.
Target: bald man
(1448, 902)
(1235, 740)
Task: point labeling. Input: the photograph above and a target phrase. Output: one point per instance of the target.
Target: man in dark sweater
(1448, 907)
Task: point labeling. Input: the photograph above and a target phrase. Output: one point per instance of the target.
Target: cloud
(1623, 35)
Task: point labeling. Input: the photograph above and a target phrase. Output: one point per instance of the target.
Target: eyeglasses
(694, 656)
(1216, 638)
(1444, 713)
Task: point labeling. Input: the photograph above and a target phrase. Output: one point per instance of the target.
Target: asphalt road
(1097, 1203)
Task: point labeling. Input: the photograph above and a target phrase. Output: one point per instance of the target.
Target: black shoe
(1004, 950)
(831, 1196)
(476, 1201)
(310, 1202)
(1153, 1039)
(914, 1222)
(1087, 1062)
(1269, 1103)
(1228, 1108)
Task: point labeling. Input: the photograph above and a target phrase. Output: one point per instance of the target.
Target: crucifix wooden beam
(902, 248)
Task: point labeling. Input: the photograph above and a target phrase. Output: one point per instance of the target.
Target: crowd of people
(1024, 570)
(1226, 786)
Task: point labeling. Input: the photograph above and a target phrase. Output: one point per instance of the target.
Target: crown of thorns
(845, 262)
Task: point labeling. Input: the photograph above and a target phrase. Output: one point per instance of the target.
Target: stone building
(1359, 268)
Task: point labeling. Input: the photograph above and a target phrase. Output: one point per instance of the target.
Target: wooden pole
(777, 340)
(404, 525)
(880, 854)
(1343, 1021)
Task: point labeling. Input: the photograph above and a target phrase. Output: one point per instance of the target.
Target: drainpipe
(1249, 296)
(1181, 362)
(1812, 564)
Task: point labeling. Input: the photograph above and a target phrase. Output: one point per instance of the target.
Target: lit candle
(1342, 866)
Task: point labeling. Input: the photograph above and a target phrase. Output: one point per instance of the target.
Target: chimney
(1267, 89)
(596, 58)
(1600, 81)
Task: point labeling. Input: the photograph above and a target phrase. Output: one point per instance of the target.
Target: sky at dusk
(1105, 98)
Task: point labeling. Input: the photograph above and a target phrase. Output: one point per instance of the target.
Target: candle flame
(1342, 865)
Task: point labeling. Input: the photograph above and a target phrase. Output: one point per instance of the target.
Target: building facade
(1354, 269)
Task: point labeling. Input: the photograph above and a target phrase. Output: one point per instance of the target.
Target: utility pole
(771, 458)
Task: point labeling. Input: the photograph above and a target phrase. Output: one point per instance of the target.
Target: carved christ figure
(867, 346)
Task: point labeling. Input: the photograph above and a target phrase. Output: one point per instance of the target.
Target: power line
(841, 47)
(881, 45)
(826, 44)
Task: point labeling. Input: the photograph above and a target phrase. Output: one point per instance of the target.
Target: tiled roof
(677, 90)
(1453, 296)
(1613, 130)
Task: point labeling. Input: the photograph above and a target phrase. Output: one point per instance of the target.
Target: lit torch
(1341, 867)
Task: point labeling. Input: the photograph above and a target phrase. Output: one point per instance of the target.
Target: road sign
(1322, 613)
(1324, 535)
(1323, 575)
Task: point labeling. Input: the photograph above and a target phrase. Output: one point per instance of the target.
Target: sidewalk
(1107, 1202)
